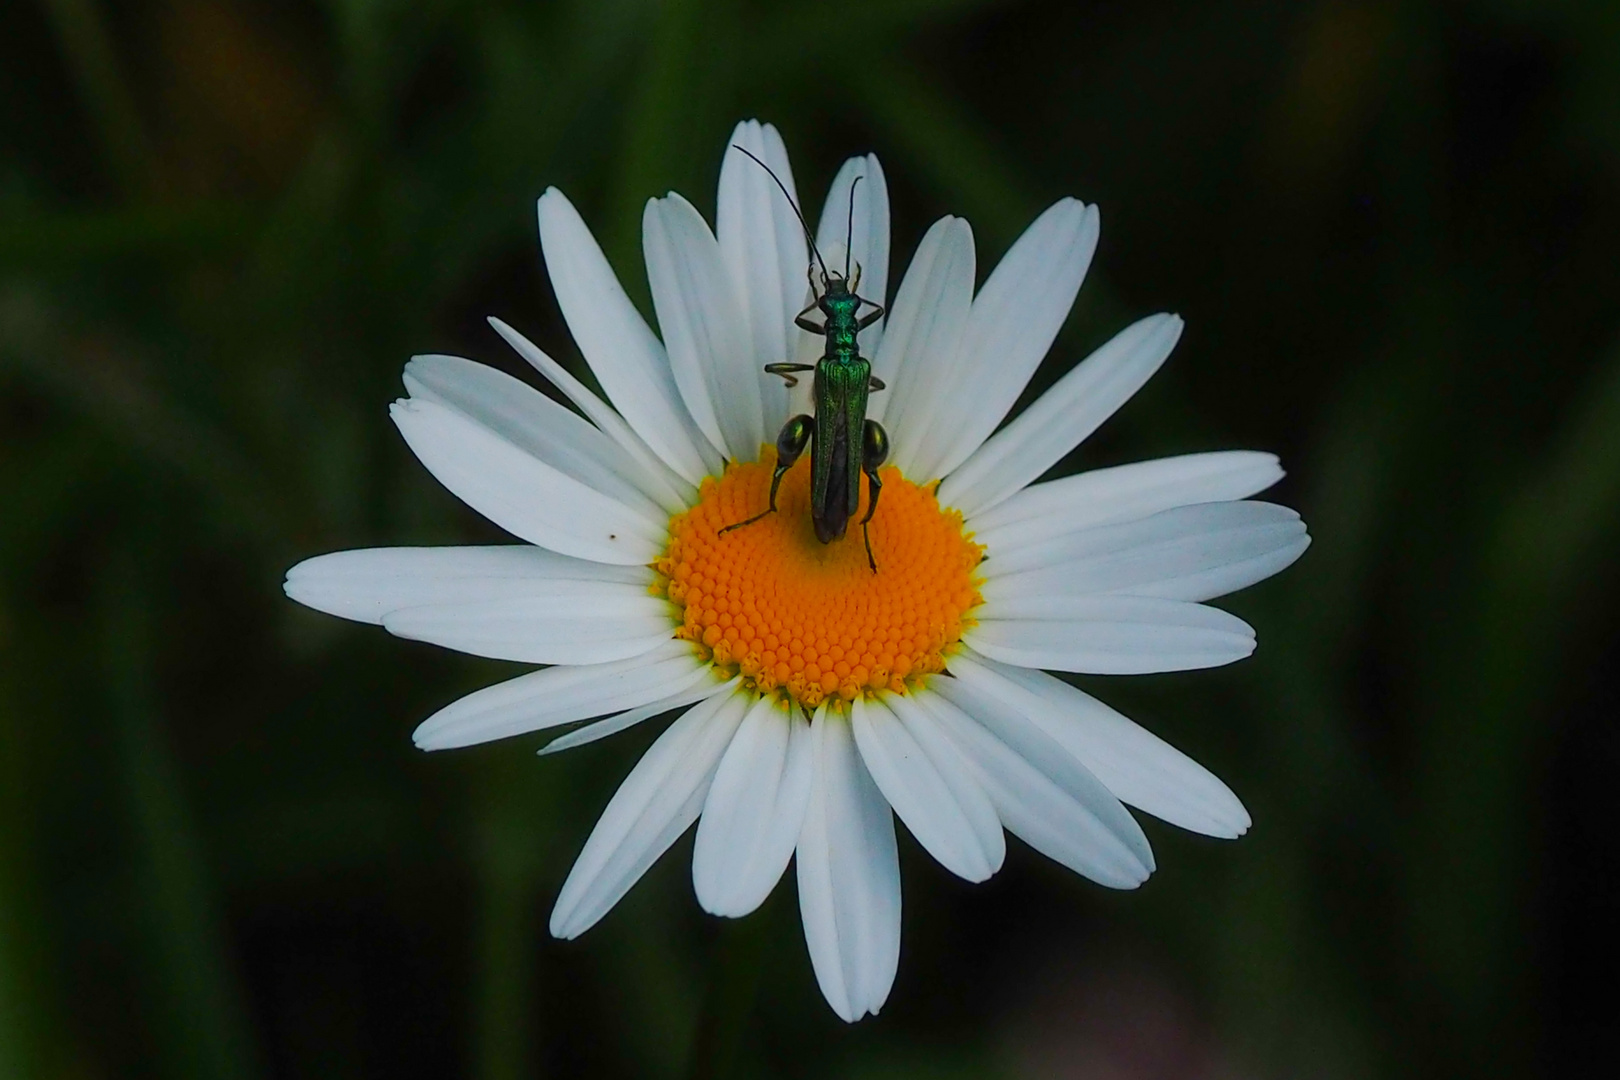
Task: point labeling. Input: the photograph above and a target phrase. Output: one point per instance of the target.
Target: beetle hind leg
(790, 443)
(874, 452)
(874, 488)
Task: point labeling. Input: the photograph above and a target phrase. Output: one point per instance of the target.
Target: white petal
(1109, 635)
(702, 320)
(564, 622)
(864, 234)
(1189, 553)
(626, 357)
(1122, 493)
(1067, 413)
(763, 246)
(561, 695)
(661, 482)
(655, 804)
(702, 690)
(1014, 320)
(849, 876)
(522, 494)
(1041, 793)
(755, 811)
(925, 326)
(533, 423)
(369, 584)
(941, 803)
(1140, 768)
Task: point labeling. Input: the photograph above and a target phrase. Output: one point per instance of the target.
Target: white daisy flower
(820, 696)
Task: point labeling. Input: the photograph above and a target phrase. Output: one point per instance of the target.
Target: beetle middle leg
(788, 372)
(790, 443)
(874, 452)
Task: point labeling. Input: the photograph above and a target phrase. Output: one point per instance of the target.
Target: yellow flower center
(811, 620)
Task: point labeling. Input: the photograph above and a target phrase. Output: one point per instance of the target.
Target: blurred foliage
(223, 227)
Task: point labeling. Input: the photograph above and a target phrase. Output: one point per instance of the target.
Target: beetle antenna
(849, 232)
(802, 223)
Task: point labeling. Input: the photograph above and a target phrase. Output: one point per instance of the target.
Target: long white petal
(561, 695)
(945, 808)
(862, 229)
(1143, 770)
(522, 494)
(1063, 416)
(626, 357)
(925, 326)
(1109, 635)
(1189, 553)
(371, 583)
(1014, 320)
(763, 247)
(655, 804)
(701, 317)
(1122, 493)
(654, 475)
(1039, 790)
(533, 423)
(701, 690)
(567, 622)
(849, 877)
(754, 812)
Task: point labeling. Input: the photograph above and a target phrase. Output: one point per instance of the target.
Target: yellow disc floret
(811, 620)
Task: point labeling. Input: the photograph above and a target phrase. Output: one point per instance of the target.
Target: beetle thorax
(838, 308)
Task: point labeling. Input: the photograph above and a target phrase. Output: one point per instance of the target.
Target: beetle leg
(874, 487)
(874, 452)
(787, 370)
(803, 323)
(874, 384)
(790, 443)
(877, 312)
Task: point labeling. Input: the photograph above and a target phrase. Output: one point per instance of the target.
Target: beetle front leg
(874, 452)
(790, 443)
(803, 323)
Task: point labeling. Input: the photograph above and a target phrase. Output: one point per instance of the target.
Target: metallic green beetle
(843, 380)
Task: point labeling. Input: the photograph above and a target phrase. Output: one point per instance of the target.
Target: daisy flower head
(820, 698)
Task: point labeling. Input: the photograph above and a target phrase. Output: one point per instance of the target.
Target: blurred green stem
(21, 997)
(734, 976)
(202, 1026)
(946, 144)
(681, 108)
(87, 49)
(505, 994)
(1484, 753)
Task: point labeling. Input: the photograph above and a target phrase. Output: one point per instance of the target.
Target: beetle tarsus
(762, 514)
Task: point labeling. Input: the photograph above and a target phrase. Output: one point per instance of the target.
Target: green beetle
(843, 442)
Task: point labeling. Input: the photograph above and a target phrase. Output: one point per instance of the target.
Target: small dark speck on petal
(613, 536)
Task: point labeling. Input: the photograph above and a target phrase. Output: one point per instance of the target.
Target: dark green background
(1392, 229)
